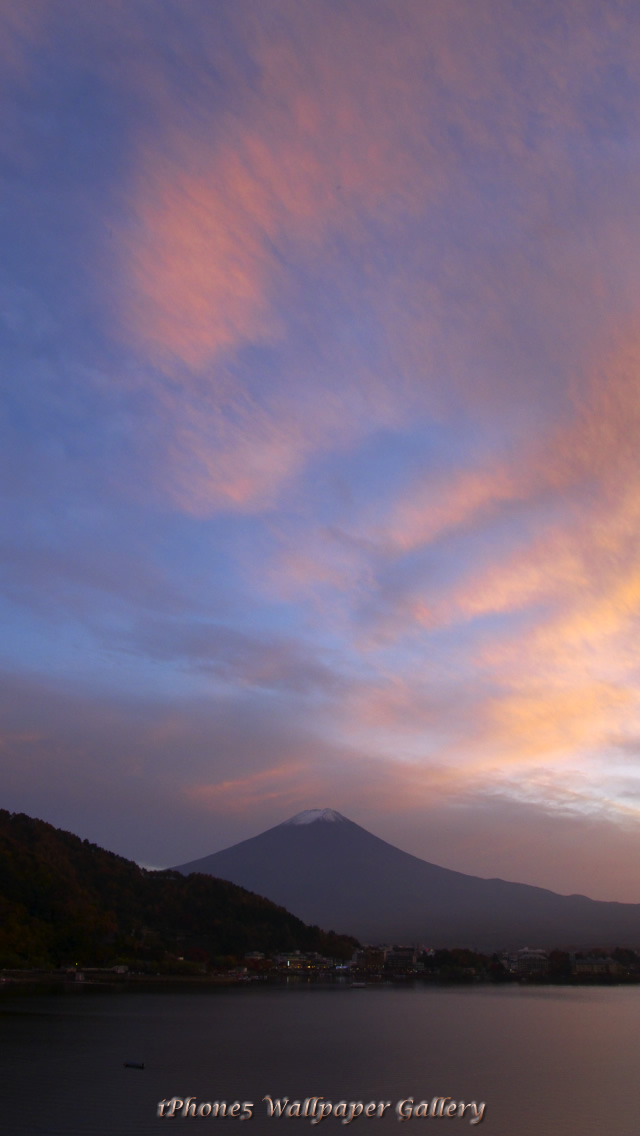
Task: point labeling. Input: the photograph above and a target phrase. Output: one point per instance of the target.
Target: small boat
(358, 985)
(134, 1064)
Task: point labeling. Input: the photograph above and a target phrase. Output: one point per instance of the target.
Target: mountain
(64, 900)
(330, 871)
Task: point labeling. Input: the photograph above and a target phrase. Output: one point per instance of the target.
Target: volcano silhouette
(328, 870)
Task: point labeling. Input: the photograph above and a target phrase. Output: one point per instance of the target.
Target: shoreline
(54, 981)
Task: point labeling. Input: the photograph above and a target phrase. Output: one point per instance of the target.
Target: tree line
(64, 901)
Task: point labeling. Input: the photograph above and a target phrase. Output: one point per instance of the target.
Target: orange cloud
(561, 683)
(287, 783)
(445, 504)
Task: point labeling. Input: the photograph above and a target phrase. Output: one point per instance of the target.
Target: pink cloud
(237, 796)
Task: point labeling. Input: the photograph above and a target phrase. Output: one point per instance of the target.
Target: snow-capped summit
(343, 878)
(308, 816)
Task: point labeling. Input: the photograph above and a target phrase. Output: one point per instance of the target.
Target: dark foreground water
(563, 1062)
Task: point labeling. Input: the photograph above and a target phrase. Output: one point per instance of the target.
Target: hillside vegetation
(64, 900)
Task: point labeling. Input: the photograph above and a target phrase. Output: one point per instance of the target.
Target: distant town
(369, 965)
(403, 963)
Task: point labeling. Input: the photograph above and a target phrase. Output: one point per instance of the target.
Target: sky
(321, 404)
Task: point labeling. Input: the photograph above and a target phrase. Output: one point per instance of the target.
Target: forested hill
(65, 900)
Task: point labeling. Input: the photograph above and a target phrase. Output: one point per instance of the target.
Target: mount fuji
(328, 870)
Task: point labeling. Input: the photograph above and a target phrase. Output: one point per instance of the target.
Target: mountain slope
(63, 899)
(329, 870)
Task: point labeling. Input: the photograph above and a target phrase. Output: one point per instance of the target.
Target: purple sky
(321, 433)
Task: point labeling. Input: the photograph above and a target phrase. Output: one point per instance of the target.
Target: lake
(561, 1061)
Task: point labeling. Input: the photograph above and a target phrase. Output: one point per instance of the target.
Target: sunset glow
(321, 433)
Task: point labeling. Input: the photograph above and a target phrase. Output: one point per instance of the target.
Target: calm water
(557, 1061)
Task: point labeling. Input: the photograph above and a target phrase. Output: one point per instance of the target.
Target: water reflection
(543, 1060)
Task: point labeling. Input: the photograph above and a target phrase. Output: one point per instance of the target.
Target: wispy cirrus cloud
(319, 329)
